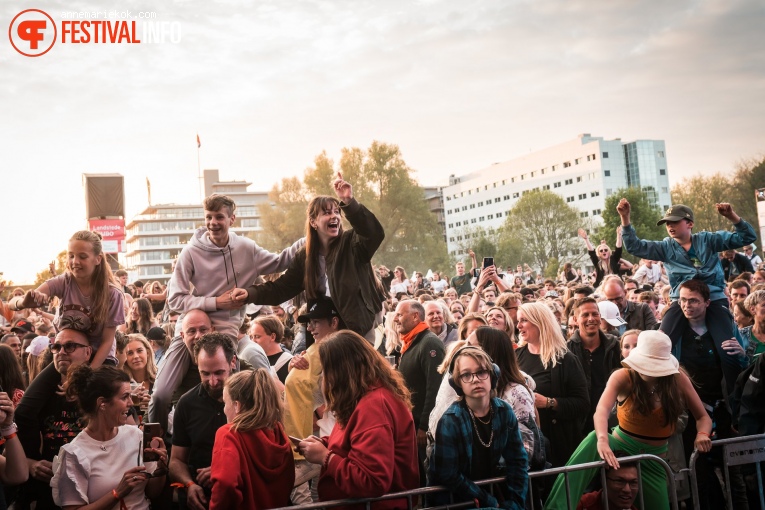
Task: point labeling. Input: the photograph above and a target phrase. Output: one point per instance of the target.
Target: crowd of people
(263, 380)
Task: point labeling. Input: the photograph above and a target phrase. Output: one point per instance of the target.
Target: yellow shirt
(302, 394)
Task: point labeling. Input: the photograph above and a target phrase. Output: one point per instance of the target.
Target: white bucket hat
(652, 356)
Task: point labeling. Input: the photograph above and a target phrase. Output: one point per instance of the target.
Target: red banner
(110, 230)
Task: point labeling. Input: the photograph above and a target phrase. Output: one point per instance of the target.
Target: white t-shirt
(439, 285)
(86, 469)
(395, 288)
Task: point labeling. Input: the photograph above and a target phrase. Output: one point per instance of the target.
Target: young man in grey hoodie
(213, 263)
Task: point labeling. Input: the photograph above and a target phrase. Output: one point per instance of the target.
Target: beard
(215, 393)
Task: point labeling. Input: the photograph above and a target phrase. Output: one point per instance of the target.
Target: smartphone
(150, 431)
(295, 440)
(488, 262)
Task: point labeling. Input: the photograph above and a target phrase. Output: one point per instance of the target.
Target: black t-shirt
(462, 284)
(481, 468)
(197, 418)
(702, 362)
(532, 365)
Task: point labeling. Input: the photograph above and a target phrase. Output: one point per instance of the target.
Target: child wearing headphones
(478, 437)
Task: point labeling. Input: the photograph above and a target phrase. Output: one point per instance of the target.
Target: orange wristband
(116, 496)
(701, 432)
(9, 437)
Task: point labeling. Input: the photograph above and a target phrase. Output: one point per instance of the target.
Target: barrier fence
(737, 451)
(412, 496)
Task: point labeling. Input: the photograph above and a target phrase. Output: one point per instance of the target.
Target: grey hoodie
(205, 271)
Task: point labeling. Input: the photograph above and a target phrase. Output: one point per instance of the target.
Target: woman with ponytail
(252, 464)
(91, 299)
(103, 466)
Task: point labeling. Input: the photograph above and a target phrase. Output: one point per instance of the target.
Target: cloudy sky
(457, 85)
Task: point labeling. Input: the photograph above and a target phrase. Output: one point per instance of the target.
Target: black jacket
(419, 366)
(353, 285)
(741, 263)
(639, 316)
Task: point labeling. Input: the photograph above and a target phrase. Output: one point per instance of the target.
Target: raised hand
(343, 189)
(623, 208)
(582, 233)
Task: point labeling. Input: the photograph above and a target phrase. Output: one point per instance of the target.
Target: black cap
(23, 326)
(321, 308)
(155, 333)
(676, 213)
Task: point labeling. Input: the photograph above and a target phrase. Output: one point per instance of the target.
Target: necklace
(477, 433)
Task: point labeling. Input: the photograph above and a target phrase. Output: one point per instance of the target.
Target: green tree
(283, 216)
(46, 275)
(643, 216)
(701, 193)
(545, 227)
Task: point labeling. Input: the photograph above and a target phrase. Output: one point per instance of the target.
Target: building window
(605, 155)
(554, 167)
(546, 186)
(569, 181)
(512, 179)
(595, 194)
(491, 216)
(593, 157)
(577, 161)
(485, 188)
(543, 171)
(661, 154)
(504, 181)
(472, 220)
(662, 171)
(480, 204)
(448, 198)
(533, 174)
(596, 212)
(523, 176)
(607, 173)
(556, 185)
(451, 239)
(582, 196)
(569, 199)
(494, 185)
(516, 194)
(477, 190)
(451, 225)
(584, 214)
(459, 238)
(496, 200)
(499, 215)
(579, 179)
(464, 208)
(472, 206)
(664, 190)
(481, 218)
(566, 164)
(459, 223)
(506, 197)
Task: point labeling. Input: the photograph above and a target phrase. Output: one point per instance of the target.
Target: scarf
(407, 338)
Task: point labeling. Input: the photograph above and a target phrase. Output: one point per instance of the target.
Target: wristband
(116, 495)
(10, 429)
(701, 432)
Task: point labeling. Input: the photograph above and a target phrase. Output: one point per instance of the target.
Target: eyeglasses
(621, 483)
(692, 301)
(68, 347)
(481, 375)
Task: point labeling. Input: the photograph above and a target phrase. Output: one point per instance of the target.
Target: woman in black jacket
(333, 261)
(561, 395)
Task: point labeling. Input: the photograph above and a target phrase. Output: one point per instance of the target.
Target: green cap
(676, 213)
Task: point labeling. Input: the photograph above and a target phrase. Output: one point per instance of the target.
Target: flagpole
(199, 169)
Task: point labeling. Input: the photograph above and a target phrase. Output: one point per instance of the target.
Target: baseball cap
(321, 308)
(609, 312)
(23, 326)
(38, 345)
(155, 333)
(676, 213)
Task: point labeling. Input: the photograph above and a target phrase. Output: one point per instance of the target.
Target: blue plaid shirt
(453, 452)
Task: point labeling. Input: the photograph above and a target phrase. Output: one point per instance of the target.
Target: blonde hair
(450, 351)
(552, 345)
(260, 406)
(151, 367)
(392, 338)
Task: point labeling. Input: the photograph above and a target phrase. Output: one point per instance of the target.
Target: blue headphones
(493, 373)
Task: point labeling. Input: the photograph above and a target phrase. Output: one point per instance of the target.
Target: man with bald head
(421, 354)
(46, 419)
(637, 315)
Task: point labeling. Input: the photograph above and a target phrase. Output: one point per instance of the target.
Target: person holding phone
(252, 465)
(103, 466)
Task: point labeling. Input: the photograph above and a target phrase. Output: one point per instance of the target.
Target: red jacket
(375, 453)
(251, 470)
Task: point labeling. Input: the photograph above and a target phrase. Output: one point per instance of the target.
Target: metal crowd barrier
(411, 495)
(736, 452)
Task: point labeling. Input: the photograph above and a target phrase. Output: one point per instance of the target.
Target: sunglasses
(68, 347)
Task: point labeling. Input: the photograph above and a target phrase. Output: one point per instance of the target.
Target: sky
(456, 85)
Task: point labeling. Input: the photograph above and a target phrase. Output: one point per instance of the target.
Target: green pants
(653, 474)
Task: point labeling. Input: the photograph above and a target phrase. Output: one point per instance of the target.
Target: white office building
(156, 236)
(583, 171)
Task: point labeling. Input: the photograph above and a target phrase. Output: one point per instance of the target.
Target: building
(583, 171)
(157, 235)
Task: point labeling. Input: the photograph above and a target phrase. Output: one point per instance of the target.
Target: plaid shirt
(453, 452)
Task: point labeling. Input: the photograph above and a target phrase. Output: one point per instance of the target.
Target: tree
(749, 177)
(45, 275)
(701, 193)
(283, 216)
(643, 216)
(545, 227)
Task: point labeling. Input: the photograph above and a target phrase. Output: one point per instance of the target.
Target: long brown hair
(317, 206)
(101, 279)
(499, 347)
(143, 324)
(351, 368)
(259, 403)
(668, 389)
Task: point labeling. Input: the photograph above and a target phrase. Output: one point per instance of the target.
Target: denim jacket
(679, 266)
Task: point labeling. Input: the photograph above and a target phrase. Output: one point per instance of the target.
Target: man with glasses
(46, 419)
(636, 315)
(621, 489)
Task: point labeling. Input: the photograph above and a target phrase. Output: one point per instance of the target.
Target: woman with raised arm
(605, 261)
(333, 263)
